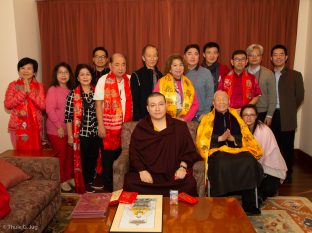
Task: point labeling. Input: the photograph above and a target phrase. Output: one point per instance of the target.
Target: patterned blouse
(89, 121)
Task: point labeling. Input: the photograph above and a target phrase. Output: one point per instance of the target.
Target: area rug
(279, 214)
(284, 214)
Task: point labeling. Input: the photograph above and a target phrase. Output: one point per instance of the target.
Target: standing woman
(81, 122)
(62, 83)
(25, 98)
(182, 102)
(272, 161)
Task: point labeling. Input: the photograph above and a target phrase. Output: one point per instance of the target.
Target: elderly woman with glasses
(272, 160)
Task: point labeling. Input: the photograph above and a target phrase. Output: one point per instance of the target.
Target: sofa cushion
(11, 175)
(28, 199)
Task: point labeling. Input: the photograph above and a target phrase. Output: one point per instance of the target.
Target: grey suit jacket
(267, 82)
(291, 95)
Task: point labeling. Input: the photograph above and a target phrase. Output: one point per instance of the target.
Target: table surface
(29, 153)
(207, 216)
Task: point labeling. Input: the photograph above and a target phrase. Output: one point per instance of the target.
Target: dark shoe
(89, 189)
(97, 183)
(252, 211)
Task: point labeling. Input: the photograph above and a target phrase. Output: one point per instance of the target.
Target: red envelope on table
(128, 197)
(187, 198)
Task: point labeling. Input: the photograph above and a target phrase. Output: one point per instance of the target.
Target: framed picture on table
(144, 215)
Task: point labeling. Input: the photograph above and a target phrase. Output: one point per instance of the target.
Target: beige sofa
(121, 165)
(33, 202)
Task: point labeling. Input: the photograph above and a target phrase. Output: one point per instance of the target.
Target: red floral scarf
(246, 83)
(28, 133)
(112, 113)
(78, 112)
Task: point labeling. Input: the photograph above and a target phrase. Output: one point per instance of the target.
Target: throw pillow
(11, 175)
(4, 202)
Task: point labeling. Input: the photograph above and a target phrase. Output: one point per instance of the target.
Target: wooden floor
(302, 177)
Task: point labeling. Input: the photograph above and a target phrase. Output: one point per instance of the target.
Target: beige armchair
(121, 165)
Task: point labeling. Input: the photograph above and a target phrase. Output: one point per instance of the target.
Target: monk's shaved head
(220, 93)
(221, 101)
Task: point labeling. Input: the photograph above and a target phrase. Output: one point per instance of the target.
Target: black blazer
(141, 83)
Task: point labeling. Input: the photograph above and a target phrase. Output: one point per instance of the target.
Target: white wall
(304, 58)
(19, 38)
(8, 61)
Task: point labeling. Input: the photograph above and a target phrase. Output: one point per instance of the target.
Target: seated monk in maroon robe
(161, 154)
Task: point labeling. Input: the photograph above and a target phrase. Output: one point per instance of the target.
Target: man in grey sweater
(265, 77)
(201, 79)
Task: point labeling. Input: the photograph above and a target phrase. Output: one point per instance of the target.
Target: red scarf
(246, 83)
(28, 133)
(78, 112)
(112, 113)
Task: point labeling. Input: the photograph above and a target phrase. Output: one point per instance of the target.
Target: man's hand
(60, 132)
(146, 177)
(268, 121)
(223, 137)
(101, 131)
(230, 137)
(180, 173)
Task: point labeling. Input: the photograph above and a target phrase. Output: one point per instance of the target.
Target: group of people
(85, 113)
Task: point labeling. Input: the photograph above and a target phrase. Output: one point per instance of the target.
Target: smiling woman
(182, 102)
(26, 99)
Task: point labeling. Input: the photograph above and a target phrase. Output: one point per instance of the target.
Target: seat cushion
(28, 199)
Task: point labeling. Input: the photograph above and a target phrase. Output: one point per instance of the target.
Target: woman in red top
(26, 99)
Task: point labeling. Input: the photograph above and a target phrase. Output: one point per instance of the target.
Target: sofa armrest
(39, 168)
(199, 175)
(120, 168)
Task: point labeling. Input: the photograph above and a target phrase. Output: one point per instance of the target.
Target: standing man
(290, 95)
(201, 79)
(100, 59)
(265, 77)
(211, 54)
(241, 87)
(143, 81)
(113, 102)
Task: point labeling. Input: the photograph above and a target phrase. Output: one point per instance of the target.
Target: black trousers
(89, 148)
(285, 141)
(108, 158)
(262, 115)
(268, 187)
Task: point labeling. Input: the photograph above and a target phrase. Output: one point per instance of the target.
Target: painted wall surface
(8, 61)
(305, 143)
(19, 38)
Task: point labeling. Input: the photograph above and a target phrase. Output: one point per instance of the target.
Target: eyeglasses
(249, 115)
(63, 73)
(254, 55)
(239, 59)
(100, 57)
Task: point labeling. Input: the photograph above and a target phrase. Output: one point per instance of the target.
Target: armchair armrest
(120, 168)
(39, 168)
(199, 175)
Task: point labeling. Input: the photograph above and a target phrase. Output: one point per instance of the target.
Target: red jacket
(15, 96)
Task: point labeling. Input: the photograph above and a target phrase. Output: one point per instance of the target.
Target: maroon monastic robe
(160, 153)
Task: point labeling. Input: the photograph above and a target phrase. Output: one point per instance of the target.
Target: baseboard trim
(302, 156)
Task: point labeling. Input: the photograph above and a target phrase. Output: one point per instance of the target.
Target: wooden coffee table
(207, 216)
